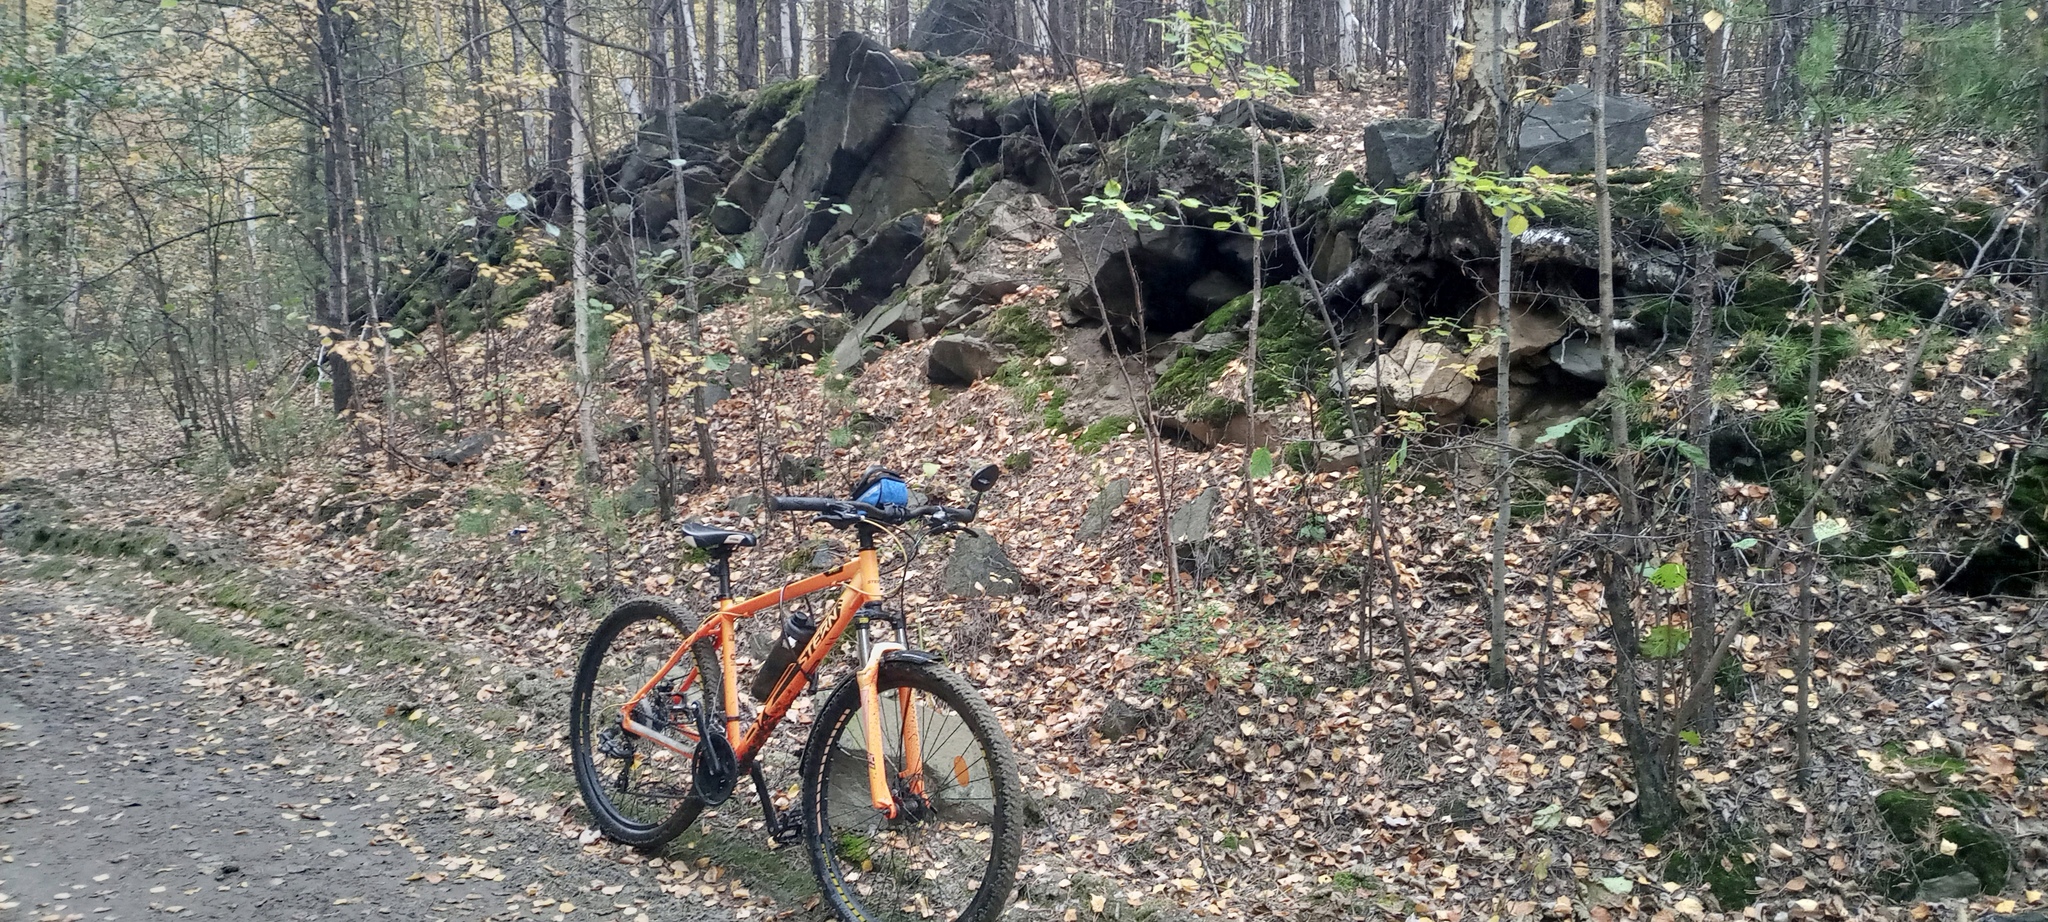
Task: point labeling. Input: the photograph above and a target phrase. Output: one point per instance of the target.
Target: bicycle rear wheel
(952, 851)
(639, 792)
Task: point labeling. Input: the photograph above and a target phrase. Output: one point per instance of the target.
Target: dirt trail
(138, 780)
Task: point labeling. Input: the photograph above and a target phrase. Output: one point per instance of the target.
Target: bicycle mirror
(984, 478)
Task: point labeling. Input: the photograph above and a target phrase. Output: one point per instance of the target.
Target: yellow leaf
(1096, 902)
(2023, 541)
(1712, 20)
(1517, 224)
(1545, 26)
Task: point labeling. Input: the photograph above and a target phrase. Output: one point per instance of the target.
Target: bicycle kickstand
(784, 826)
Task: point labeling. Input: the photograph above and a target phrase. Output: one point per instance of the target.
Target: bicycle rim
(639, 791)
(951, 852)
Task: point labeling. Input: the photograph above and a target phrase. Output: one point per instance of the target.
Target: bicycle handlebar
(848, 512)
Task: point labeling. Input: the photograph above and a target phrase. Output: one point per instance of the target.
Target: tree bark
(579, 242)
(746, 32)
(1701, 576)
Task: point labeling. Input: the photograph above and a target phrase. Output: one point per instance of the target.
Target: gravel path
(139, 781)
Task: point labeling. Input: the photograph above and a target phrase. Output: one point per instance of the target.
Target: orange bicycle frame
(862, 582)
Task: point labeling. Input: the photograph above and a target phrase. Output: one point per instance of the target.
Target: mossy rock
(556, 259)
(1762, 301)
(1980, 850)
(1016, 325)
(508, 299)
(1905, 813)
(1293, 358)
(1099, 433)
(1727, 866)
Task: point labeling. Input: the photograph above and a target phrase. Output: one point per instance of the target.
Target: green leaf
(736, 259)
(1744, 544)
(1829, 529)
(1549, 817)
(930, 469)
(517, 201)
(717, 361)
(1688, 450)
(1691, 737)
(1560, 430)
(507, 220)
(1665, 641)
(1670, 576)
(1617, 884)
(1517, 225)
(1260, 466)
(1113, 189)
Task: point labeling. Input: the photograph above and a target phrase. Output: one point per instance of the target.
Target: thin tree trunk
(1702, 578)
(746, 31)
(579, 237)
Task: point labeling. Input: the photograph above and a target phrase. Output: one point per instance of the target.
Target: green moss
(1727, 866)
(1761, 302)
(1293, 358)
(1302, 456)
(1905, 813)
(1017, 325)
(1980, 850)
(508, 299)
(1099, 433)
(1189, 377)
(1017, 462)
(776, 100)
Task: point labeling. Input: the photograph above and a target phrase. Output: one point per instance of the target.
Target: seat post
(721, 567)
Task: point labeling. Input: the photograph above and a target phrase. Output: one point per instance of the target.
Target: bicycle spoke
(929, 861)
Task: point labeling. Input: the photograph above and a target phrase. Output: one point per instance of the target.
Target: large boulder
(855, 108)
(913, 170)
(877, 266)
(750, 188)
(1243, 113)
(1531, 329)
(1127, 268)
(1420, 374)
(959, 360)
(1558, 135)
(1398, 149)
(953, 28)
(978, 567)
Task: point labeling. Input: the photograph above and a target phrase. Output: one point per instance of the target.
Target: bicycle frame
(861, 579)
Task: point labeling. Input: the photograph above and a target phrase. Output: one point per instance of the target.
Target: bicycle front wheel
(952, 850)
(639, 792)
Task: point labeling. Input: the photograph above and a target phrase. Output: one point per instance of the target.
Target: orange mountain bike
(910, 805)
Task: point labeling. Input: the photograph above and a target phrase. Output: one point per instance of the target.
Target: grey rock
(1958, 886)
(1579, 358)
(796, 469)
(877, 266)
(855, 108)
(1419, 374)
(745, 504)
(1120, 719)
(1336, 457)
(1102, 509)
(750, 188)
(464, 451)
(1397, 149)
(1212, 292)
(1192, 521)
(960, 360)
(954, 28)
(796, 342)
(978, 567)
(1558, 135)
(1239, 113)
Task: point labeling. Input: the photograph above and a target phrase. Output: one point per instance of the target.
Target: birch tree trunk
(579, 240)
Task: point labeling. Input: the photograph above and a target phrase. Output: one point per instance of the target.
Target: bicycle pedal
(788, 828)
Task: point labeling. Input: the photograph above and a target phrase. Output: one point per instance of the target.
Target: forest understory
(1620, 499)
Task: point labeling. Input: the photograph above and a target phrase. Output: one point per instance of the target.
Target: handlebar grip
(805, 504)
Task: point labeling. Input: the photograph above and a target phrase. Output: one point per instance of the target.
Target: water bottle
(782, 660)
